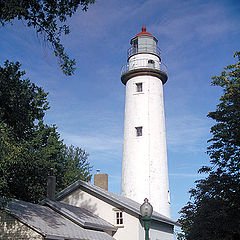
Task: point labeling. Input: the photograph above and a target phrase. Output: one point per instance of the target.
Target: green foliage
(21, 102)
(214, 209)
(76, 165)
(224, 150)
(214, 212)
(180, 236)
(47, 17)
(28, 147)
(25, 163)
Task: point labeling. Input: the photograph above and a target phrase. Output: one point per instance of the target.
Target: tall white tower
(144, 166)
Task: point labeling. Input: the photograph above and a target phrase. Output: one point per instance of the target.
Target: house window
(138, 131)
(119, 218)
(139, 87)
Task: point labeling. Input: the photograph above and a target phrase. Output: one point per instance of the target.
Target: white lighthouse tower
(144, 166)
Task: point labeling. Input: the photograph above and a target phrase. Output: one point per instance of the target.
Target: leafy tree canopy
(214, 209)
(28, 147)
(48, 18)
(224, 150)
(21, 102)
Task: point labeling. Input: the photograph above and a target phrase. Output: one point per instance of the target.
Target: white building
(144, 166)
(82, 211)
(119, 211)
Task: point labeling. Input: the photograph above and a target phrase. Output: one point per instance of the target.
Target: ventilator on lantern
(144, 166)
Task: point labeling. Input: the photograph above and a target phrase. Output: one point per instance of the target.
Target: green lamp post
(146, 210)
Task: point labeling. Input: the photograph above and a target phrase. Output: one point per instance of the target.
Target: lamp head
(146, 209)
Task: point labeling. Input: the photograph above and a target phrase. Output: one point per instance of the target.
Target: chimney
(51, 186)
(101, 180)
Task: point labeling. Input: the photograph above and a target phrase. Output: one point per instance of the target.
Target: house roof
(117, 200)
(51, 224)
(80, 216)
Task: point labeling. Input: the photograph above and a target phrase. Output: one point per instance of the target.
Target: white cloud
(96, 143)
(187, 23)
(186, 175)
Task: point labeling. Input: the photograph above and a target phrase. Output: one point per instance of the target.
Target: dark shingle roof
(116, 199)
(49, 223)
(80, 216)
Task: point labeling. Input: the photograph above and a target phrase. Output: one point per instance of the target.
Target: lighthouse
(144, 164)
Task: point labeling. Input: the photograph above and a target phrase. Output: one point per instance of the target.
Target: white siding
(158, 231)
(106, 211)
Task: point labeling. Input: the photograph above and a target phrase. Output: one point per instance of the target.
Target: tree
(21, 102)
(224, 150)
(214, 209)
(76, 165)
(28, 147)
(25, 163)
(48, 18)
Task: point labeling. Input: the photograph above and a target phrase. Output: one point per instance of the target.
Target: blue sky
(197, 39)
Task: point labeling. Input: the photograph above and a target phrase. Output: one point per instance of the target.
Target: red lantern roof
(144, 32)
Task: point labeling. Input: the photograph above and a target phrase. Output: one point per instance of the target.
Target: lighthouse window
(138, 131)
(150, 61)
(135, 46)
(139, 87)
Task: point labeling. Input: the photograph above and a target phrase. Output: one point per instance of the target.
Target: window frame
(139, 87)
(139, 131)
(118, 217)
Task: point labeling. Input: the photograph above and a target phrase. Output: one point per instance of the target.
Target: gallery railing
(143, 63)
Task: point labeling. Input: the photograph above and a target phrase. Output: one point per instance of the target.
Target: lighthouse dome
(144, 32)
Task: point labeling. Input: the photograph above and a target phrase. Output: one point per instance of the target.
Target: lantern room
(143, 42)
